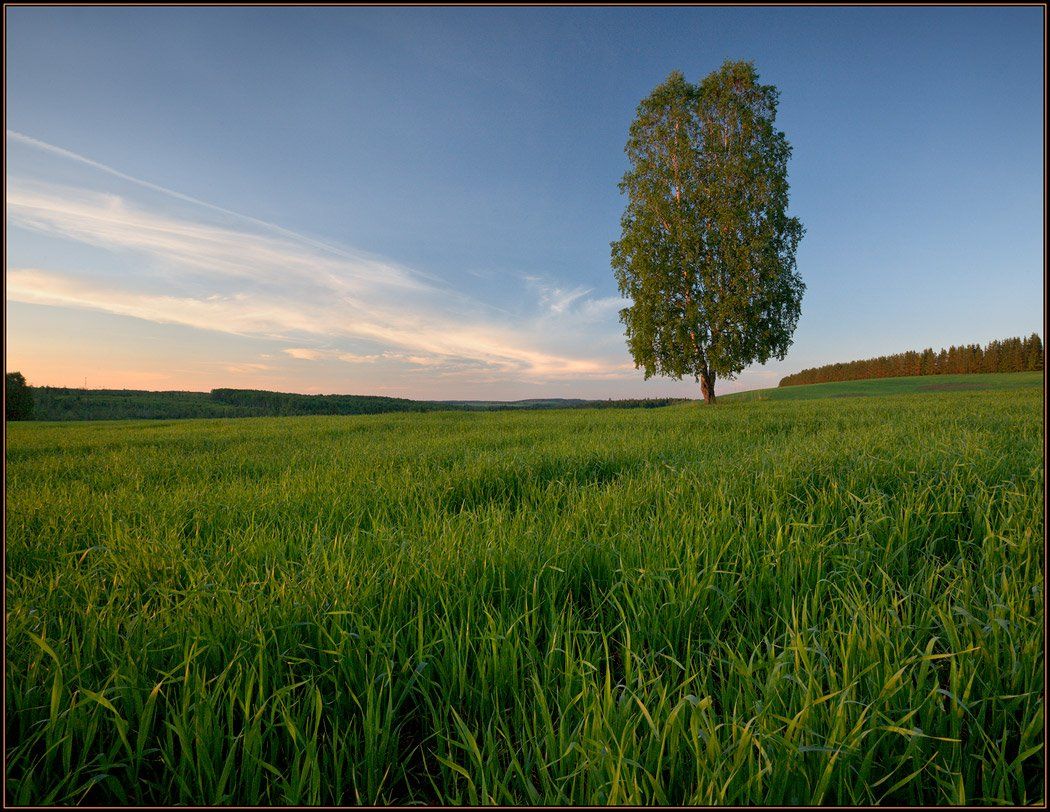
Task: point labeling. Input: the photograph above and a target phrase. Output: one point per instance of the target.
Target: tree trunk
(707, 386)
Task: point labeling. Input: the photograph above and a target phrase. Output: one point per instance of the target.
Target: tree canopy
(18, 398)
(707, 252)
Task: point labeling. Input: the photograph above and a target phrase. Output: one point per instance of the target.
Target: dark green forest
(18, 397)
(1008, 355)
(59, 403)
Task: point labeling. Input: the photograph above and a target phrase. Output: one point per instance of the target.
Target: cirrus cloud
(258, 279)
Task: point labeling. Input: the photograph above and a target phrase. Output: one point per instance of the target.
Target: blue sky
(420, 202)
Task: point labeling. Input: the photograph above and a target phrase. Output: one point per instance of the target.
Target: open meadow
(827, 601)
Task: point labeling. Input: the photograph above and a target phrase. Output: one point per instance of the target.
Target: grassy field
(896, 386)
(829, 601)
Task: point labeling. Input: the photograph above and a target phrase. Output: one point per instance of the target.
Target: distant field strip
(896, 386)
(827, 601)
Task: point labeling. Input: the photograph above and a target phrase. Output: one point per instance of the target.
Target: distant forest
(59, 403)
(1008, 355)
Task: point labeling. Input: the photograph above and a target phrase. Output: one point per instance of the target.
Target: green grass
(896, 386)
(813, 602)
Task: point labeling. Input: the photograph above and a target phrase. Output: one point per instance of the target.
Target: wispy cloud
(145, 184)
(304, 353)
(558, 300)
(601, 309)
(555, 299)
(310, 354)
(240, 369)
(107, 221)
(229, 314)
(575, 303)
(264, 280)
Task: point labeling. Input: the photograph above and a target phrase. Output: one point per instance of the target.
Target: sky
(419, 202)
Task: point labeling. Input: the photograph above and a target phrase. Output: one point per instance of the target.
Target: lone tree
(707, 252)
(18, 397)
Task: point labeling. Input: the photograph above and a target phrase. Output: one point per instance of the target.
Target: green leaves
(707, 250)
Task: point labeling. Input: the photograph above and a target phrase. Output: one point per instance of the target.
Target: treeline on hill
(59, 403)
(261, 403)
(1008, 355)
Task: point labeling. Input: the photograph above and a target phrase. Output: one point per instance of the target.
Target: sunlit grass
(916, 384)
(833, 601)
